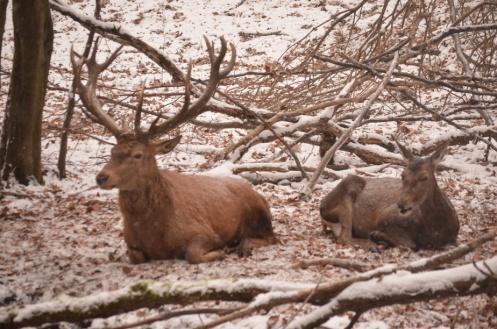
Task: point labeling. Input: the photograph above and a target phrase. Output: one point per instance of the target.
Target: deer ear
(439, 153)
(167, 145)
(404, 151)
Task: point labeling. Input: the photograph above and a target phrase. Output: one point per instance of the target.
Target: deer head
(418, 178)
(133, 158)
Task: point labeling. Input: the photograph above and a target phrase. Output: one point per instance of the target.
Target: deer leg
(395, 232)
(248, 244)
(136, 256)
(345, 217)
(202, 251)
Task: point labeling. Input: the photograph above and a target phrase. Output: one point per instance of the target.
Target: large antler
(87, 92)
(188, 111)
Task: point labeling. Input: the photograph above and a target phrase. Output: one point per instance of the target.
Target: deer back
(378, 196)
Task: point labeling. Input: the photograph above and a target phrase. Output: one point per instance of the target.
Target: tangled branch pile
(445, 72)
(327, 85)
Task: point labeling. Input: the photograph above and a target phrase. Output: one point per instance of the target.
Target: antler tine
(406, 153)
(97, 68)
(93, 55)
(210, 49)
(224, 73)
(111, 58)
(186, 102)
(139, 109)
(87, 93)
(216, 61)
(179, 117)
(77, 63)
(188, 111)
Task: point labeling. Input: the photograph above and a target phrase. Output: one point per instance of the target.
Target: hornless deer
(166, 214)
(411, 212)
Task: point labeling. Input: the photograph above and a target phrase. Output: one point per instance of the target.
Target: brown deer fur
(166, 214)
(411, 211)
(169, 215)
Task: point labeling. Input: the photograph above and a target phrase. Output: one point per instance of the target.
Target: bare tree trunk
(3, 14)
(20, 148)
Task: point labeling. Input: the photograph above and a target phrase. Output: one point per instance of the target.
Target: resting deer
(167, 214)
(411, 212)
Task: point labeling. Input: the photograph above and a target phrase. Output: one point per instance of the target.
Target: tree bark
(3, 15)
(145, 293)
(20, 148)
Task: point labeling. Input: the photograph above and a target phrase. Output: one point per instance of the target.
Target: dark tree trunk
(3, 14)
(20, 148)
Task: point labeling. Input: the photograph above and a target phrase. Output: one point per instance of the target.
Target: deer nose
(403, 208)
(102, 178)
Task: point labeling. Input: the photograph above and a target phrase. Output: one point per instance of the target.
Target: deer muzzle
(404, 208)
(103, 181)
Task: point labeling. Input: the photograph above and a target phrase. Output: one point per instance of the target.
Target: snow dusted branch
(264, 294)
(117, 33)
(324, 292)
(145, 293)
(403, 288)
(460, 137)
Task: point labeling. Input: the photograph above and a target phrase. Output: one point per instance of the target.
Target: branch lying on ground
(466, 280)
(328, 290)
(145, 293)
(173, 314)
(153, 294)
(338, 262)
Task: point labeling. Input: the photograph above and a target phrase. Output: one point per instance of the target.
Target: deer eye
(138, 156)
(423, 179)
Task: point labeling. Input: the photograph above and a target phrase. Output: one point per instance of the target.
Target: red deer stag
(411, 212)
(166, 214)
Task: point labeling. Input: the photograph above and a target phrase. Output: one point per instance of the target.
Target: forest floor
(65, 237)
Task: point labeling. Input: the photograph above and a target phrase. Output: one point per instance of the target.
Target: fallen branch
(466, 280)
(329, 290)
(173, 314)
(343, 263)
(152, 294)
(251, 35)
(145, 293)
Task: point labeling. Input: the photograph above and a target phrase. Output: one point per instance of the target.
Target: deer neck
(151, 198)
(435, 202)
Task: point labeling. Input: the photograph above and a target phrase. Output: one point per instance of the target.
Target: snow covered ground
(65, 237)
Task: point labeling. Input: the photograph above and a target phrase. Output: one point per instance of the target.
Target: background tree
(20, 148)
(3, 14)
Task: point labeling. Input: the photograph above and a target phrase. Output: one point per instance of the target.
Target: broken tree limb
(404, 288)
(338, 262)
(173, 314)
(346, 135)
(144, 293)
(460, 137)
(152, 294)
(325, 291)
